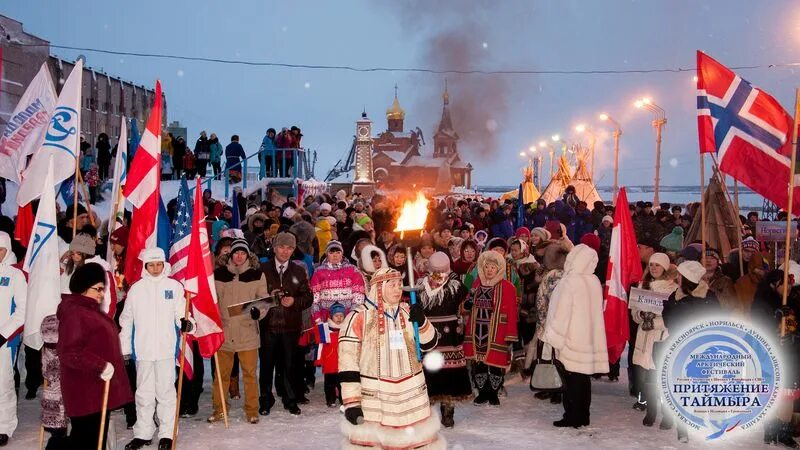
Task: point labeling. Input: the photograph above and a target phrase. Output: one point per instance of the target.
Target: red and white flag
(200, 283)
(142, 189)
(624, 269)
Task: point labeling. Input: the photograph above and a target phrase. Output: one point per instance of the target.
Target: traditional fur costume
(380, 374)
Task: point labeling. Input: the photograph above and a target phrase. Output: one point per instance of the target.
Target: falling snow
(673, 162)
(491, 125)
(485, 45)
(180, 72)
(307, 85)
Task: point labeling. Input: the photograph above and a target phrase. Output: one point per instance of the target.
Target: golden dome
(395, 112)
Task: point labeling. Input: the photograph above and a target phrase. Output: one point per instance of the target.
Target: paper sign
(648, 301)
(773, 231)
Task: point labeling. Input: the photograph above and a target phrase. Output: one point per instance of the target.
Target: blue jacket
(267, 146)
(501, 225)
(234, 153)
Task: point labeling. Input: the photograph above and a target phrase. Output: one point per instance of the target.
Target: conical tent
(529, 192)
(584, 186)
(723, 229)
(560, 180)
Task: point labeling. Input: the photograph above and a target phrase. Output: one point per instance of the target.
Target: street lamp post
(545, 144)
(617, 133)
(593, 141)
(537, 166)
(659, 120)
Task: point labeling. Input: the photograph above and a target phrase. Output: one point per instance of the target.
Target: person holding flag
(13, 296)
(155, 309)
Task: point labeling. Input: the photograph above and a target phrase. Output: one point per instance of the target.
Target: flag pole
(75, 199)
(180, 374)
(738, 217)
(792, 167)
(736, 206)
(86, 197)
(221, 391)
(703, 206)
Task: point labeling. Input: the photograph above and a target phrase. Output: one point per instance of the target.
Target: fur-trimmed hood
(491, 257)
(365, 260)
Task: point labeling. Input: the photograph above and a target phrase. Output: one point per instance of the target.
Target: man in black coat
(281, 330)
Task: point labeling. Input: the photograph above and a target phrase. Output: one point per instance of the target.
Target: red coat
(327, 354)
(87, 340)
(502, 325)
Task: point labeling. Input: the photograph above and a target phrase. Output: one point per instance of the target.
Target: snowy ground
(521, 421)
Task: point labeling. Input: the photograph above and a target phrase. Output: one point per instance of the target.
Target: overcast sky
(497, 116)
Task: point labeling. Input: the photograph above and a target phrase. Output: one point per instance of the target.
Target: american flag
(179, 256)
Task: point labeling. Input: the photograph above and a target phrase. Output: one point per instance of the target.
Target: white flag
(117, 199)
(42, 265)
(27, 125)
(61, 141)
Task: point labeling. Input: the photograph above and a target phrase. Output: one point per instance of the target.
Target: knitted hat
(713, 253)
(608, 219)
(149, 255)
(285, 238)
(661, 259)
(673, 242)
(119, 236)
(541, 232)
(363, 219)
(554, 227)
(337, 308)
(334, 246)
(522, 231)
(325, 207)
(439, 262)
(751, 244)
(592, 241)
(83, 243)
(690, 253)
(692, 271)
(239, 244)
(85, 277)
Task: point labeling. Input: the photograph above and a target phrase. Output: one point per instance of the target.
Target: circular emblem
(363, 131)
(720, 377)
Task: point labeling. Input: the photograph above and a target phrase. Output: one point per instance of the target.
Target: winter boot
(555, 398)
(216, 417)
(3, 440)
(137, 443)
(785, 435)
(649, 418)
(640, 404)
(481, 398)
(493, 399)
(265, 405)
(683, 435)
(233, 389)
(165, 444)
(542, 395)
(667, 422)
(771, 431)
(447, 415)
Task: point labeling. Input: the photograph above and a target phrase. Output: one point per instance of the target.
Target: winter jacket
(154, 308)
(332, 283)
(103, 152)
(216, 150)
(722, 287)
(501, 225)
(326, 337)
(236, 285)
(87, 341)
(202, 149)
(682, 310)
(575, 326)
(267, 147)
(234, 153)
(645, 339)
(294, 283)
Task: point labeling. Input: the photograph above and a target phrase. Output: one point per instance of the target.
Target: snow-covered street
(521, 421)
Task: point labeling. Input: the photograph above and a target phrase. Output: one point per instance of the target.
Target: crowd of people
(317, 283)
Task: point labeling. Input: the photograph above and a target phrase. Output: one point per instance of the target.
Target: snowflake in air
(180, 72)
(673, 162)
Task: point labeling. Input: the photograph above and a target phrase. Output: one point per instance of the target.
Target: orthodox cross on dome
(395, 114)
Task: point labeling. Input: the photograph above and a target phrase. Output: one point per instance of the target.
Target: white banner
(25, 129)
(41, 262)
(648, 301)
(61, 141)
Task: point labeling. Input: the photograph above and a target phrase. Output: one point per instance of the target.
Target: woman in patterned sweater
(335, 281)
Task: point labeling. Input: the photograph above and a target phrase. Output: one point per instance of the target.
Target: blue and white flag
(42, 265)
(61, 141)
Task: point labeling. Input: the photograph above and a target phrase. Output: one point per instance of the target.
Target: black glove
(468, 305)
(3, 340)
(354, 415)
(417, 314)
(186, 326)
(255, 313)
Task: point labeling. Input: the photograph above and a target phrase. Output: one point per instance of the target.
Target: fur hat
(149, 255)
(85, 277)
(304, 234)
(497, 242)
(794, 271)
(607, 219)
(83, 243)
(692, 271)
(542, 232)
(592, 241)
(365, 259)
(661, 259)
(487, 258)
(439, 262)
(325, 207)
(285, 238)
(239, 245)
(555, 255)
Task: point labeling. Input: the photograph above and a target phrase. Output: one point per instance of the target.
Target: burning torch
(411, 224)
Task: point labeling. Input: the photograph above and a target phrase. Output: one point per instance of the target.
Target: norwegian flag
(179, 258)
(624, 269)
(747, 128)
(142, 189)
(200, 283)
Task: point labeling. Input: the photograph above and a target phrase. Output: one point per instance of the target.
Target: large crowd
(317, 284)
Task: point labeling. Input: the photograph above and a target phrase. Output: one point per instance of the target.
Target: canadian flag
(200, 283)
(624, 269)
(142, 189)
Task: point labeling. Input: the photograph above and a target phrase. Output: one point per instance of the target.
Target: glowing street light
(582, 128)
(659, 120)
(617, 133)
(545, 144)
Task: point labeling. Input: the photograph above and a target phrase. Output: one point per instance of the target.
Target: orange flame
(414, 214)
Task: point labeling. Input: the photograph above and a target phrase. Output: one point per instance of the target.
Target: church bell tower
(363, 180)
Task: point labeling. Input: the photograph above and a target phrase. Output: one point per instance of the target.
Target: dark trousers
(333, 390)
(217, 169)
(283, 345)
(102, 169)
(191, 389)
(577, 398)
(130, 408)
(33, 366)
(85, 431)
(202, 165)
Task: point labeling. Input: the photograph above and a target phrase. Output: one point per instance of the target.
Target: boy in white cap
(155, 309)
(13, 296)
